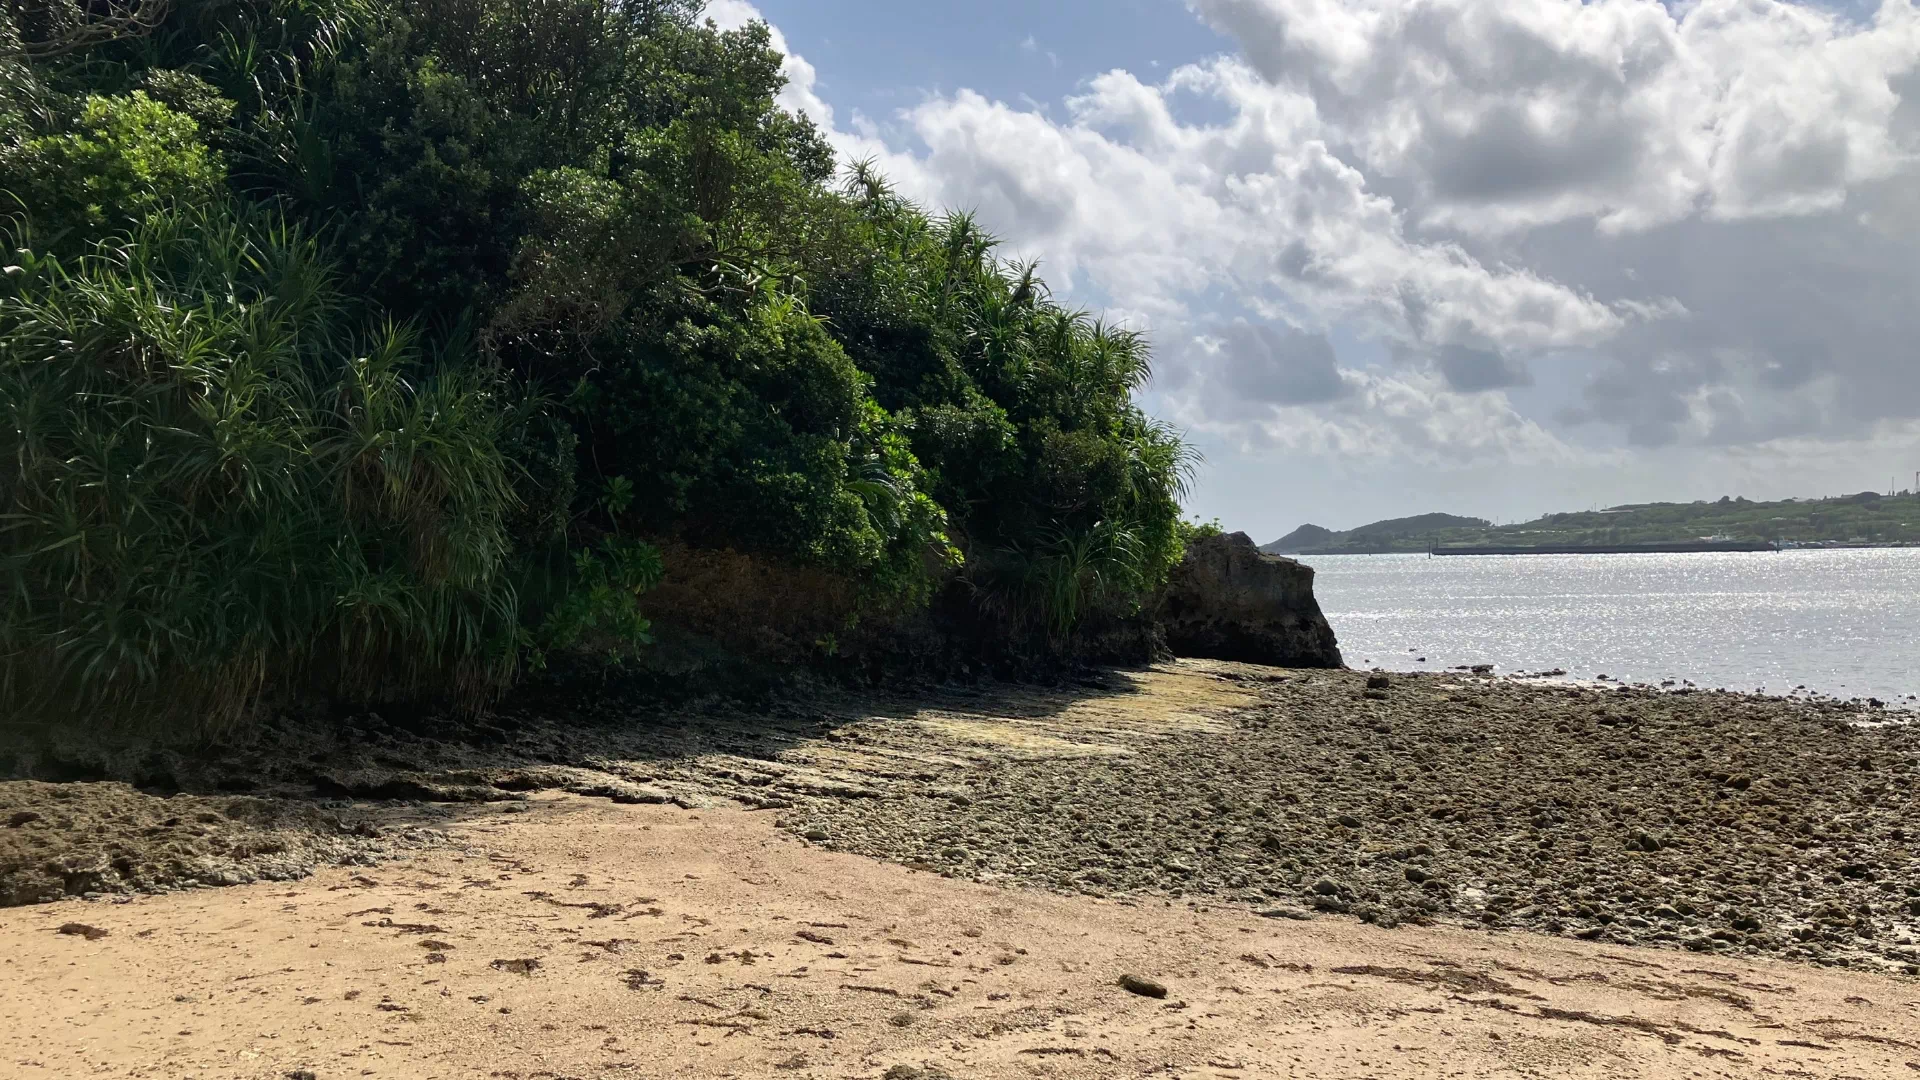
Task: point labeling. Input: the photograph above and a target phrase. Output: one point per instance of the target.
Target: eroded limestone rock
(1228, 600)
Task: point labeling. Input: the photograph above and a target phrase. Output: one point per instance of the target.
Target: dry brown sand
(581, 939)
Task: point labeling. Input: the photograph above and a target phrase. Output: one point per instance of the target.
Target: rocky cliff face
(1230, 601)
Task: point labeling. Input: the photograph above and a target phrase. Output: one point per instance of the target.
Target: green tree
(482, 299)
(123, 158)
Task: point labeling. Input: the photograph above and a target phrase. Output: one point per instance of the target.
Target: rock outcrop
(1228, 600)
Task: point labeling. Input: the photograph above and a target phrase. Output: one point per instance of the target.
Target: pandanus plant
(213, 490)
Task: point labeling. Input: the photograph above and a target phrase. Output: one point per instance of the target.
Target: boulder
(1228, 600)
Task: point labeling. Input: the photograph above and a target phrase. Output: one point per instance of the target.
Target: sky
(1488, 257)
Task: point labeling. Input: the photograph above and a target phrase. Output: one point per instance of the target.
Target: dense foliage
(370, 346)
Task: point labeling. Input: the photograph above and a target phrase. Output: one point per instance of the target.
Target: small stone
(1348, 820)
(1326, 887)
(816, 834)
(909, 1072)
(302, 1074)
(1417, 875)
(1134, 984)
(634, 794)
(1378, 682)
(91, 933)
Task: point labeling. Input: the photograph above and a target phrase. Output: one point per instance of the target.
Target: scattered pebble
(1134, 984)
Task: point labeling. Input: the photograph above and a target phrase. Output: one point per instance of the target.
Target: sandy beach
(586, 939)
(1508, 880)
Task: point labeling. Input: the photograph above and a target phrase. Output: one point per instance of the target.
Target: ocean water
(1839, 622)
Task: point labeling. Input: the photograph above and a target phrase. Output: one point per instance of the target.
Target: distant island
(1867, 519)
(1379, 536)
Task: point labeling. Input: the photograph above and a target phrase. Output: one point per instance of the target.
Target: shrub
(1020, 412)
(560, 285)
(755, 431)
(127, 157)
(216, 489)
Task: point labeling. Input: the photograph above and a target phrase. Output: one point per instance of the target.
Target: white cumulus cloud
(1698, 223)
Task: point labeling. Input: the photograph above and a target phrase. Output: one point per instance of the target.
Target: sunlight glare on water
(1841, 622)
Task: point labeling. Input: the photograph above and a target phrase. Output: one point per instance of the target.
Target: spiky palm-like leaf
(213, 489)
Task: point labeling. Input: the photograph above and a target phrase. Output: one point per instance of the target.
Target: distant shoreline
(1684, 547)
(1604, 549)
(1865, 519)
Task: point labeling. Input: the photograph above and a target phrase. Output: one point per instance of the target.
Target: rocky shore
(60, 840)
(1712, 822)
(1718, 823)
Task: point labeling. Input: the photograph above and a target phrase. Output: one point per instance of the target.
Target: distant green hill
(1413, 527)
(1866, 518)
(1300, 539)
(1386, 535)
